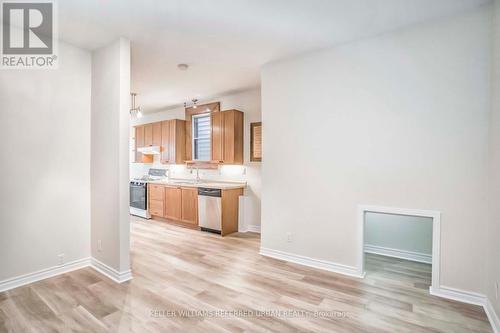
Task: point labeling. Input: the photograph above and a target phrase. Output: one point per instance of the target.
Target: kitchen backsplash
(225, 172)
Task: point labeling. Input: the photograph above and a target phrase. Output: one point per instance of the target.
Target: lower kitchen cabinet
(180, 204)
(156, 207)
(173, 203)
(156, 194)
(189, 199)
(230, 210)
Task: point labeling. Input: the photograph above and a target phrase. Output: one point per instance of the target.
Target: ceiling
(225, 42)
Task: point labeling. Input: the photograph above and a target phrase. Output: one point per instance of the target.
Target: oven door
(138, 196)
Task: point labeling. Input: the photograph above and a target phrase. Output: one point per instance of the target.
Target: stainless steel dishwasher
(210, 209)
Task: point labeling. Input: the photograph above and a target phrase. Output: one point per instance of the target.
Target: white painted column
(110, 223)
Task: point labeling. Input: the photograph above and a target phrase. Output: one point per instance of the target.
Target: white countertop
(223, 185)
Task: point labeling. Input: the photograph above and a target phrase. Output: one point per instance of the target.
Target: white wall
(110, 154)
(400, 232)
(399, 120)
(247, 102)
(494, 220)
(45, 168)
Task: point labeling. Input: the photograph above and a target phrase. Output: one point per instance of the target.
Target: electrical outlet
(289, 237)
(99, 245)
(496, 290)
(61, 258)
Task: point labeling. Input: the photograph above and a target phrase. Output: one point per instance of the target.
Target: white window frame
(201, 115)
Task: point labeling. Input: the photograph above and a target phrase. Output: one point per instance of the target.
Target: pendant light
(135, 111)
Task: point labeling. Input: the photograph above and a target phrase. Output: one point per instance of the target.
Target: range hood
(151, 150)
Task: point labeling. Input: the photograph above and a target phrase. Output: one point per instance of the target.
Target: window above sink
(201, 137)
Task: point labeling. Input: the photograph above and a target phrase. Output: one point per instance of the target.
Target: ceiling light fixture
(192, 104)
(135, 111)
(183, 67)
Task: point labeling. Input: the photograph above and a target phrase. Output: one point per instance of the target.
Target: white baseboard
(470, 298)
(311, 262)
(492, 316)
(250, 228)
(43, 274)
(401, 254)
(442, 291)
(459, 295)
(253, 228)
(110, 272)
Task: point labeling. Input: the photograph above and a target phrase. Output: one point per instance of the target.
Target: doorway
(392, 257)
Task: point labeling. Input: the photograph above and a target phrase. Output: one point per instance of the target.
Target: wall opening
(396, 239)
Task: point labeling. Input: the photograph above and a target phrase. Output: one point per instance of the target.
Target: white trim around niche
(436, 235)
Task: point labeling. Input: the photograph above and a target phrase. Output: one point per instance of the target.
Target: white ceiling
(225, 42)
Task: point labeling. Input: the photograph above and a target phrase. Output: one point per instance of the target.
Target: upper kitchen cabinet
(152, 134)
(139, 142)
(156, 140)
(173, 141)
(227, 137)
(148, 135)
(169, 135)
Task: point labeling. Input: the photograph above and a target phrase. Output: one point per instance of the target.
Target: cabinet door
(148, 135)
(228, 137)
(156, 192)
(238, 126)
(232, 137)
(173, 203)
(217, 136)
(156, 134)
(172, 141)
(190, 205)
(139, 142)
(180, 142)
(156, 207)
(165, 141)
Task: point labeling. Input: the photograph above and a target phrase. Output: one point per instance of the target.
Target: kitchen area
(198, 172)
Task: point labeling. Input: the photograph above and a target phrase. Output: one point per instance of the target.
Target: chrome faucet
(198, 179)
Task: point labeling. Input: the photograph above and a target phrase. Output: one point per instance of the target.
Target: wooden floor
(190, 281)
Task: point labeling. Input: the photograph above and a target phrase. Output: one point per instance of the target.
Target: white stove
(139, 192)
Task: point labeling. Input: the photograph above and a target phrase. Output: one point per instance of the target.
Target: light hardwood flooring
(177, 269)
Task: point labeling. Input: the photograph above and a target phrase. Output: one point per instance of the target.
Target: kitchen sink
(183, 182)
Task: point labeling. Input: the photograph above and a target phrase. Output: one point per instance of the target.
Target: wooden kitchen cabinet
(139, 142)
(152, 134)
(173, 141)
(230, 210)
(217, 137)
(148, 135)
(180, 204)
(156, 194)
(227, 137)
(156, 208)
(156, 139)
(189, 198)
(173, 203)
